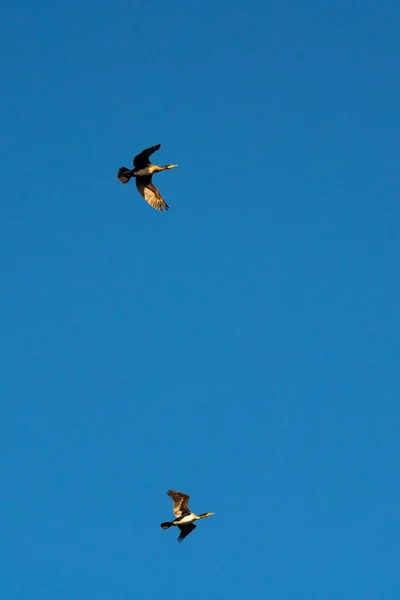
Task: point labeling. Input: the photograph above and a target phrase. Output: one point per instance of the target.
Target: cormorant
(143, 171)
(184, 516)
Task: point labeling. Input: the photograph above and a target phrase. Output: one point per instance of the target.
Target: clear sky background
(243, 347)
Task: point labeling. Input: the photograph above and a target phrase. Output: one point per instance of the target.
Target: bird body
(143, 171)
(184, 517)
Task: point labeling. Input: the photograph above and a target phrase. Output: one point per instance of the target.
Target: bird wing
(150, 193)
(185, 530)
(142, 159)
(180, 504)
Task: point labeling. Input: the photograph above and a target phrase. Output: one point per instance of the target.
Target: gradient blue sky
(242, 348)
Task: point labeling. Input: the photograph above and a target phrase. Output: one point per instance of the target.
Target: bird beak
(172, 166)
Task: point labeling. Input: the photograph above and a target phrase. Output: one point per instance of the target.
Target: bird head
(171, 166)
(204, 515)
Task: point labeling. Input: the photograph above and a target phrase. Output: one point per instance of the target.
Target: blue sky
(244, 346)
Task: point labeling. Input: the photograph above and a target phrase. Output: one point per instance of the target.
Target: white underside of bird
(186, 519)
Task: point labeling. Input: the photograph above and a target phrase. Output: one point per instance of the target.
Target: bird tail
(166, 525)
(124, 174)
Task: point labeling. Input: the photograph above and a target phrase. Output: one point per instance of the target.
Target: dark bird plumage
(185, 530)
(143, 171)
(183, 515)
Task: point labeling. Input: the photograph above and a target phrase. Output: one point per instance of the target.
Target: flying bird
(143, 171)
(183, 515)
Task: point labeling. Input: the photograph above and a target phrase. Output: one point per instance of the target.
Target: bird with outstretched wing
(143, 171)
